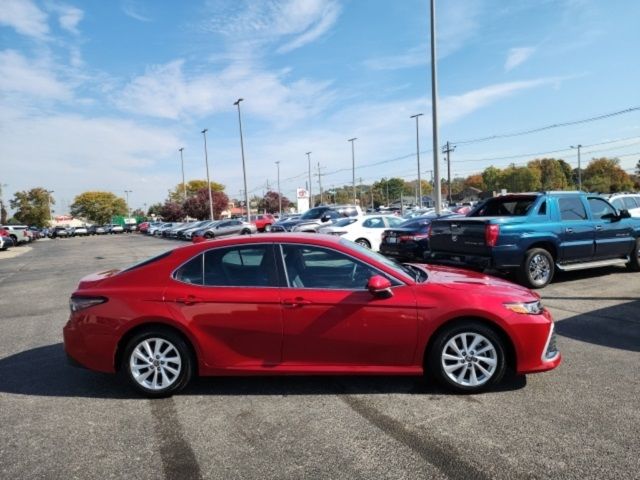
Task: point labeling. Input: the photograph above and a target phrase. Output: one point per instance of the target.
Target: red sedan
(301, 304)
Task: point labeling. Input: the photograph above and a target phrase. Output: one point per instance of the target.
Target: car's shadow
(44, 371)
(617, 326)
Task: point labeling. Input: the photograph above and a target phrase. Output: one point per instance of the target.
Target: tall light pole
(434, 110)
(578, 147)
(310, 195)
(206, 162)
(353, 167)
(127, 192)
(244, 170)
(419, 199)
(279, 194)
(49, 192)
(184, 185)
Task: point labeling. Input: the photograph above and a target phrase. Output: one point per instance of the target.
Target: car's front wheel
(467, 357)
(364, 242)
(157, 363)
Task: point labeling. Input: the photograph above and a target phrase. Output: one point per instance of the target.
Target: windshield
(402, 270)
(313, 214)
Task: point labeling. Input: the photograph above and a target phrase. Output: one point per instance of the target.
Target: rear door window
(571, 208)
(629, 203)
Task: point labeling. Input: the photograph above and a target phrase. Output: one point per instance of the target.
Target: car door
(614, 236)
(577, 232)
(331, 319)
(372, 229)
(229, 296)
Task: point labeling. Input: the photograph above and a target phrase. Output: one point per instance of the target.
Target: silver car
(230, 227)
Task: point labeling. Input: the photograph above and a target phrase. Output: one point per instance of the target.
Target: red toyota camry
(299, 304)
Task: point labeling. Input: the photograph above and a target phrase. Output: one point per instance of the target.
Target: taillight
(491, 234)
(80, 303)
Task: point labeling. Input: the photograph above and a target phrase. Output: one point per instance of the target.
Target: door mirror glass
(379, 286)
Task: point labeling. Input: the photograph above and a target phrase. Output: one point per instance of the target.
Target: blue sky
(100, 95)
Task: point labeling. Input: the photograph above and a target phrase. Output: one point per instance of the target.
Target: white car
(365, 231)
(80, 231)
(626, 201)
(18, 233)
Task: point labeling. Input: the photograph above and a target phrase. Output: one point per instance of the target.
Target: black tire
(178, 349)
(634, 262)
(462, 369)
(209, 235)
(15, 240)
(246, 231)
(364, 242)
(537, 269)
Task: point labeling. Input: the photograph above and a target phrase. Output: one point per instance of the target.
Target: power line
(546, 127)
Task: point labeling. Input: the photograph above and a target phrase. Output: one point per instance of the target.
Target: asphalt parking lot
(579, 421)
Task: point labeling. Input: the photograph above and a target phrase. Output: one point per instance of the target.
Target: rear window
(504, 207)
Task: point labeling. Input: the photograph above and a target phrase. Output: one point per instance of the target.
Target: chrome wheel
(469, 359)
(363, 242)
(267, 228)
(539, 269)
(155, 363)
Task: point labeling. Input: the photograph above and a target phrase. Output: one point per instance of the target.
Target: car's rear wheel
(467, 357)
(267, 227)
(246, 231)
(634, 261)
(157, 363)
(537, 269)
(208, 235)
(364, 242)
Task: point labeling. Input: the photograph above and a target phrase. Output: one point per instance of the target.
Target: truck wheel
(634, 262)
(537, 268)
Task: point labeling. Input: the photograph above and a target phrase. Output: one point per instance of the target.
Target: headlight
(530, 308)
(80, 303)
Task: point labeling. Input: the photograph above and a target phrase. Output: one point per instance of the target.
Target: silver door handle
(569, 230)
(598, 227)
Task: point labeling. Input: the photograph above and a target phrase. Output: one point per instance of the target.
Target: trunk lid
(94, 279)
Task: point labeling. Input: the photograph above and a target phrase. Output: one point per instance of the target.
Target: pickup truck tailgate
(460, 235)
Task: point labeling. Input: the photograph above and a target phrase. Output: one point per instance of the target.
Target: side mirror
(625, 214)
(326, 217)
(379, 286)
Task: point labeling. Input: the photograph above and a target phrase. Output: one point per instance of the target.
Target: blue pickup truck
(535, 234)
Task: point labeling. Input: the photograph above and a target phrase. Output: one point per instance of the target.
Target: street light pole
(310, 195)
(184, 185)
(127, 192)
(578, 147)
(49, 192)
(353, 167)
(206, 162)
(434, 110)
(419, 199)
(279, 194)
(244, 171)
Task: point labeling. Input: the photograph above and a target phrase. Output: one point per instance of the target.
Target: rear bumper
(411, 251)
(501, 257)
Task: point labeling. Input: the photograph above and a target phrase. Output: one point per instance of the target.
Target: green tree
(32, 207)
(492, 177)
(568, 174)
(193, 187)
(3, 210)
(520, 179)
(605, 175)
(552, 174)
(154, 209)
(390, 190)
(98, 207)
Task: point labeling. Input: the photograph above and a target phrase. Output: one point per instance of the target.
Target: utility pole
(127, 192)
(419, 190)
(279, 194)
(320, 183)
(434, 109)
(244, 170)
(49, 221)
(310, 182)
(448, 148)
(360, 194)
(353, 167)
(578, 147)
(184, 185)
(206, 162)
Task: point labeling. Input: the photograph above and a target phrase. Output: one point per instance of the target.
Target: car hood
(477, 283)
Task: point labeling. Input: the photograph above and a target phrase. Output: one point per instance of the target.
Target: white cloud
(457, 106)
(167, 91)
(30, 77)
(518, 56)
(415, 57)
(25, 17)
(131, 8)
(290, 23)
(69, 17)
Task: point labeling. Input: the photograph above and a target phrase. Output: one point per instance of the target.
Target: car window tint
(375, 222)
(323, 268)
(394, 221)
(190, 272)
(600, 208)
(571, 208)
(629, 203)
(248, 266)
(618, 203)
(543, 209)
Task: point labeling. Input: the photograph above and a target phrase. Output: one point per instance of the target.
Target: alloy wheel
(155, 363)
(539, 269)
(469, 359)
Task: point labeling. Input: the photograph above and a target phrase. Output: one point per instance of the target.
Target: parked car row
(199, 230)
(15, 235)
(87, 230)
